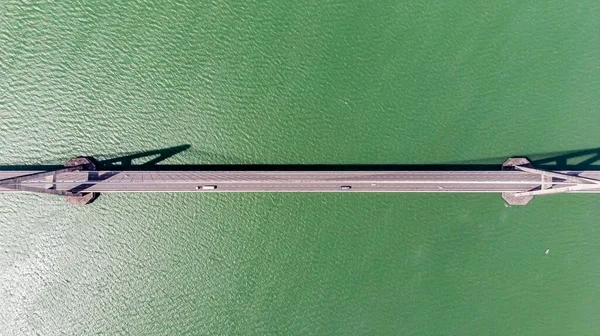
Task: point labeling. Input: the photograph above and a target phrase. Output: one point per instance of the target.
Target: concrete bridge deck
(518, 184)
(292, 181)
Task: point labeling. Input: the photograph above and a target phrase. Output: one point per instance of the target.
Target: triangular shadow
(577, 160)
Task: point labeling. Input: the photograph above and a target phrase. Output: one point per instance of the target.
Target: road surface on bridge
(297, 181)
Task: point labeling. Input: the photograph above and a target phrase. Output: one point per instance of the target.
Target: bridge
(517, 180)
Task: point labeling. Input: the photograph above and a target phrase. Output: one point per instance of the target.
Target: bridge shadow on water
(576, 160)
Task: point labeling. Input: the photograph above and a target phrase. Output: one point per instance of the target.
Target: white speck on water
(547, 251)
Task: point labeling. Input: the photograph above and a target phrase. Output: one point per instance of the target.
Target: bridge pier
(81, 164)
(512, 198)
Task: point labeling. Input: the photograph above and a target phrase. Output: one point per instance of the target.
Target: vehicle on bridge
(206, 187)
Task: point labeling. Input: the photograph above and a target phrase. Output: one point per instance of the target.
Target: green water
(309, 82)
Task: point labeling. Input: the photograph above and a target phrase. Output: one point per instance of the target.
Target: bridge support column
(81, 164)
(512, 198)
